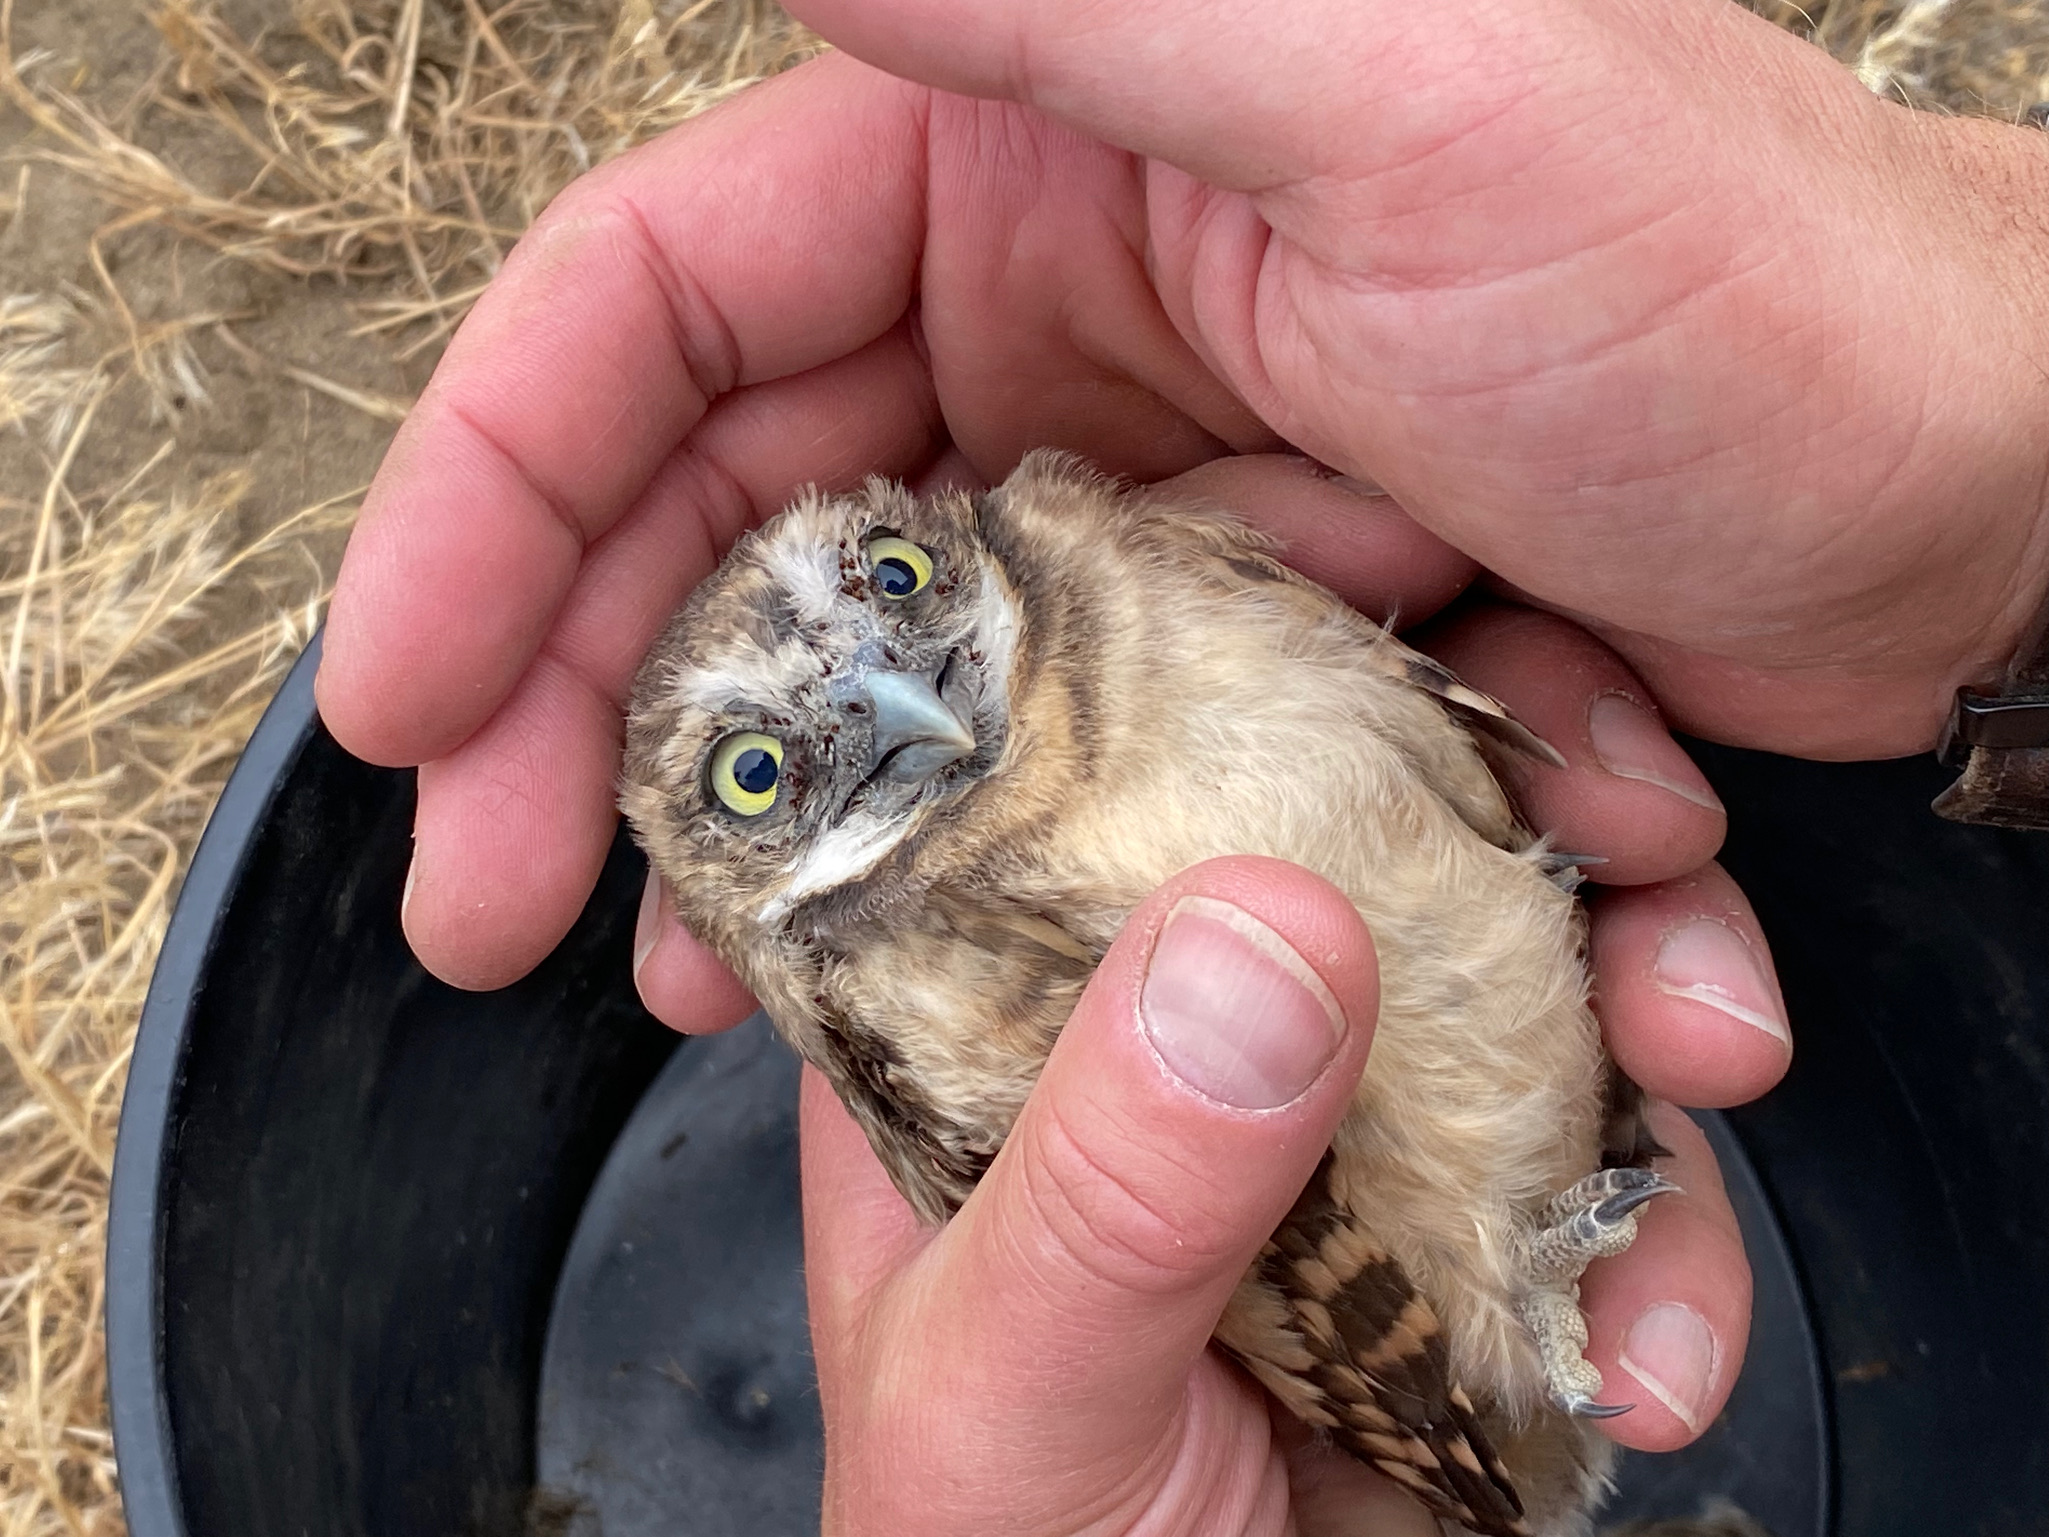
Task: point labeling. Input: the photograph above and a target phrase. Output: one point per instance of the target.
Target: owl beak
(916, 735)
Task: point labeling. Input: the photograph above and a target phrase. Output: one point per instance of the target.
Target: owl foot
(1568, 872)
(1596, 1218)
(1559, 1330)
(1593, 1220)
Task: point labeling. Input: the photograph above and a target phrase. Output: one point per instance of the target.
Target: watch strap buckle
(2001, 742)
(1979, 719)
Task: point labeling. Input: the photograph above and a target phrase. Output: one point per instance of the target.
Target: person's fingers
(1669, 1319)
(1038, 302)
(1186, 1102)
(1629, 796)
(773, 235)
(1688, 999)
(510, 834)
(890, 1370)
(513, 824)
(1586, 278)
(681, 982)
(857, 1229)
(1353, 538)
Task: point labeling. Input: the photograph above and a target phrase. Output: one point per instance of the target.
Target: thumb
(1187, 1102)
(1251, 98)
(1154, 76)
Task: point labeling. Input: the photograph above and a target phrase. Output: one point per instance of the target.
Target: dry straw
(140, 630)
(148, 605)
(411, 138)
(1978, 58)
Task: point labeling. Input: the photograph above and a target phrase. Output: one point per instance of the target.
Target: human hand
(1648, 307)
(609, 419)
(1039, 1365)
(1673, 327)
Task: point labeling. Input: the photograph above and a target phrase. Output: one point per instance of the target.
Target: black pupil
(896, 577)
(754, 771)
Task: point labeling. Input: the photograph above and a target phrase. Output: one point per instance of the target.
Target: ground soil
(300, 445)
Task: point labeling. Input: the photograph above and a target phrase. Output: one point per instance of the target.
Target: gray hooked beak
(913, 722)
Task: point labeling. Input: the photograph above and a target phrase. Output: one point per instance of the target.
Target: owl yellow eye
(744, 770)
(900, 567)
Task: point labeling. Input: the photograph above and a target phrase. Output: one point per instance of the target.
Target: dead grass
(414, 138)
(139, 639)
(147, 606)
(1980, 58)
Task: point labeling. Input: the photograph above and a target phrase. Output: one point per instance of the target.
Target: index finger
(780, 232)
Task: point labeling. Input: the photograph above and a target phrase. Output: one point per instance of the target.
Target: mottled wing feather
(1367, 1357)
(1627, 1141)
(1018, 970)
(932, 1172)
(1476, 711)
(1247, 564)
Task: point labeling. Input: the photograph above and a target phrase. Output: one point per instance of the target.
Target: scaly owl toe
(1593, 1220)
(1559, 1331)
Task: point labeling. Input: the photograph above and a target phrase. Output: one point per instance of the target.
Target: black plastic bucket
(391, 1260)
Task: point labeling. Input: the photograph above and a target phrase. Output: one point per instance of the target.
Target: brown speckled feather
(1356, 1350)
(1022, 967)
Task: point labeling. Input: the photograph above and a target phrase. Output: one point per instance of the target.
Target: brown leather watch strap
(2000, 739)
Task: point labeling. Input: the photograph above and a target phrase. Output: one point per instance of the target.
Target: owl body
(1140, 686)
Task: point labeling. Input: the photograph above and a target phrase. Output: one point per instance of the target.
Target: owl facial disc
(840, 687)
(915, 734)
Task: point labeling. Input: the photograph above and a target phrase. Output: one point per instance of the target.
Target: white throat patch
(838, 857)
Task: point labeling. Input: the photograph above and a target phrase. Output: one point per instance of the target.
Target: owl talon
(1592, 1220)
(1587, 1409)
(1569, 871)
(1622, 1203)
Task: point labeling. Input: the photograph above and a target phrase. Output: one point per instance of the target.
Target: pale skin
(1639, 305)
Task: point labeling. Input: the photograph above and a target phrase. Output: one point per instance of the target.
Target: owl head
(840, 681)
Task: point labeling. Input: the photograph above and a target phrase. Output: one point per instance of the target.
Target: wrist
(1925, 563)
(1994, 181)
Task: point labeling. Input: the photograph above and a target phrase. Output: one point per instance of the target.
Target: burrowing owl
(908, 763)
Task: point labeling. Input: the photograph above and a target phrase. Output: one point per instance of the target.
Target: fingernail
(1358, 487)
(1710, 963)
(405, 897)
(647, 926)
(1631, 744)
(1671, 1351)
(1233, 1010)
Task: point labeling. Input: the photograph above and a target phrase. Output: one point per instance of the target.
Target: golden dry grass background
(233, 237)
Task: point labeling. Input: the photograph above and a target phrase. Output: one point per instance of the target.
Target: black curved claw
(1587, 1409)
(1559, 861)
(1614, 1208)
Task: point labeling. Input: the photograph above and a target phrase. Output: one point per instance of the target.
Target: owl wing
(1237, 559)
(966, 975)
(1250, 565)
(1331, 1325)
